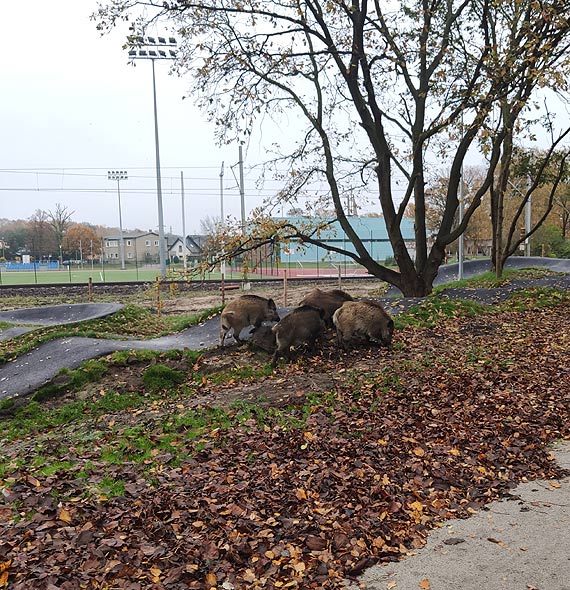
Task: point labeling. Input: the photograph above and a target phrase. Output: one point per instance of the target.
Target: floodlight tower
(154, 48)
(119, 175)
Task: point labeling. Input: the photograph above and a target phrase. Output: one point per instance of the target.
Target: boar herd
(355, 322)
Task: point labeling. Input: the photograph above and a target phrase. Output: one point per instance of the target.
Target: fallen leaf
(64, 515)
(424, 584)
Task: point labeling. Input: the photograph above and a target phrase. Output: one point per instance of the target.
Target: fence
(23, 266)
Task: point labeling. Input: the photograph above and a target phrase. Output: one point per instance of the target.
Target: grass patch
(110, 487)
(160, 377)
(237, 374)
(33, 416)
(535, 298)
(434, 310)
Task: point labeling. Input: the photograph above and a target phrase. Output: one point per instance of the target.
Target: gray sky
(72, 108)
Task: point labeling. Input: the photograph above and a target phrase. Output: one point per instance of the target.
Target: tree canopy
(370, 96)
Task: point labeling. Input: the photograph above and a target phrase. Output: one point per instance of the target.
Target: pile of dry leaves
(449, 419)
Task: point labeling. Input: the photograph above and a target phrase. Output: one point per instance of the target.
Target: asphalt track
(31, 371)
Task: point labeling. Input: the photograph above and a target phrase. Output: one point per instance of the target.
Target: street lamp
(154, 48)
(119, 175)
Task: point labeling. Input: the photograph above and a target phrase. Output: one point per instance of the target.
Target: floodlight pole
(184, 257)
(119, 175)
(153, 49)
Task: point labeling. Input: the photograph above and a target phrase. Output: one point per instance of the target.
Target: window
(129, 254)
(156, 242)
(129, 242)
(147, 243)
(180, 248)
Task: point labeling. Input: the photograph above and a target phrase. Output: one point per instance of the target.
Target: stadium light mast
(119, 175)
(156, 48)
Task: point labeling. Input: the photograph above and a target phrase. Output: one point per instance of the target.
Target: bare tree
(60, 220)
(383, 89)
(41, 235)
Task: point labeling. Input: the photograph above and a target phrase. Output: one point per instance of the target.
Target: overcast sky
(72, 108)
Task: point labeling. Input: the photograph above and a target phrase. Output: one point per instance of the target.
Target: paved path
(522, 543)
(53, 315)
(26, 374)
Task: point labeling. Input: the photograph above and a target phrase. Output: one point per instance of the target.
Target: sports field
(97, 275)
(106, 274)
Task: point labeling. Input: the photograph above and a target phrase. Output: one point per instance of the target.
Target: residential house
(192, 249)
(139, 248)
(144, 248)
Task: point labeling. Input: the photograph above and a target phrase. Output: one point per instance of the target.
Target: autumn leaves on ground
(234, 476)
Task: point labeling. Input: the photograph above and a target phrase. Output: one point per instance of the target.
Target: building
(371, 230)
(139, 248)
(145, 248)
(193, 249)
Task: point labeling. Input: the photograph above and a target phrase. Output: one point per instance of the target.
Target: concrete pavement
(522, 543)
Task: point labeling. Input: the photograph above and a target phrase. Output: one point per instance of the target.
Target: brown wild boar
(302, 326)
(264, 338)
(365, 320)
(328, 301)
(247, 310)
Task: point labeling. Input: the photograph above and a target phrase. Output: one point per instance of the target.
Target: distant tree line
(50, 235)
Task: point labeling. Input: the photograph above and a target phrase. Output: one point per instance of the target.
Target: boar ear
(271, 302)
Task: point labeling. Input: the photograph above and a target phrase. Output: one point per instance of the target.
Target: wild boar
(302, 326)
(328, 301)
(364, 320)
(247, 310)
(264, 338)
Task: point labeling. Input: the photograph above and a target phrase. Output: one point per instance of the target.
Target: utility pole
(241, 190)
(222, 224)
(460, 247)
(222, 195)
(185, 263)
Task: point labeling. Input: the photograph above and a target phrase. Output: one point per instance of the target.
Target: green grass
(160, 377)
(110, 487)
(433, 310)
(108, 275)
(535, 298)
